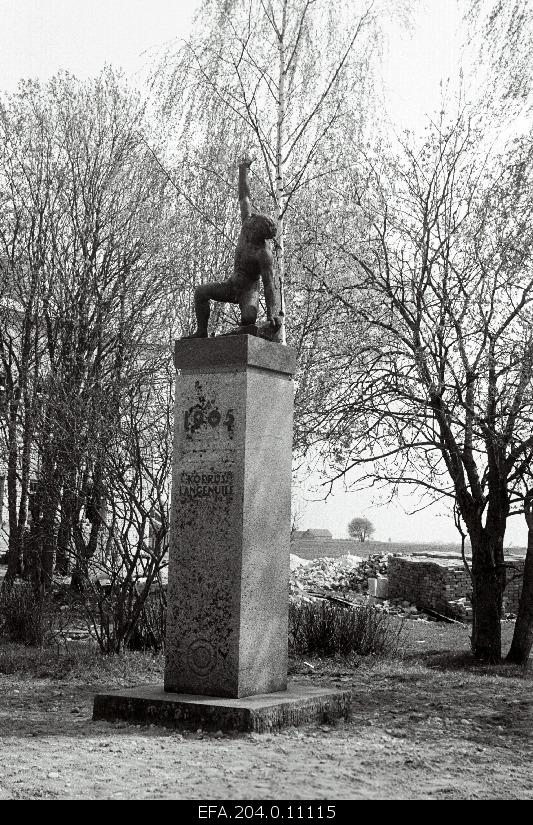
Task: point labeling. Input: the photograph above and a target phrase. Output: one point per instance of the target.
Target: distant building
(316, 544)
(303, 535)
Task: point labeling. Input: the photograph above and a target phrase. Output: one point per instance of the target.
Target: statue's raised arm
(245, 198)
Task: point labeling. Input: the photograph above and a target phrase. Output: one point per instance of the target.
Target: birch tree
(501, 34)
(285, 76)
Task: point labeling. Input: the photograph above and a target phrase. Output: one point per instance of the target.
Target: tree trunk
(14, 553)
(25, 469)
(49, 539)
(96, 514)
(43, 538)
(64, 532)
(523, 631)
(488, 582)
(83, 555)
(280, 176)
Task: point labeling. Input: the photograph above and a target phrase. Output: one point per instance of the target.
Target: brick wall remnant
(434, 584)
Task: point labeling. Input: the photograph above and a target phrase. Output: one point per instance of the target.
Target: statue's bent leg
(202, 295)
(248, 302)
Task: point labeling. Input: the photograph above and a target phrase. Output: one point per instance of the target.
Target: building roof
(317, 534)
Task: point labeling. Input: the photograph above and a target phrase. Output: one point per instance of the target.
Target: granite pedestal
(298, 705)
(230, 524)
(227, 596)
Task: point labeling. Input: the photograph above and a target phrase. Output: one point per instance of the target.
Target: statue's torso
(247, 267)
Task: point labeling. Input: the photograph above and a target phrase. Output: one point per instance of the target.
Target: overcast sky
(39, 37)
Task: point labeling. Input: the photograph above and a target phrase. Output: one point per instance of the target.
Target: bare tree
(87, 262)
(438, 391)
(29, 182)
(132, 551)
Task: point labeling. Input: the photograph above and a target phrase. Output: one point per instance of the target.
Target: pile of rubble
(345, 575)
(403, 608)
(372, 567)
(461, 609)
(345, 579)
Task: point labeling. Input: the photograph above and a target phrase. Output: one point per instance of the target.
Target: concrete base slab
(149, 705)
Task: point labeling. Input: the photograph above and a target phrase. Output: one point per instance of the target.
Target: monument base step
(150, 705)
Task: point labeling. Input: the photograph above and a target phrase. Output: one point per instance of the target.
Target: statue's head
(260, 228)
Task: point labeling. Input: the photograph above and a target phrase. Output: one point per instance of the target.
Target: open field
(428, 724)
(315, 548)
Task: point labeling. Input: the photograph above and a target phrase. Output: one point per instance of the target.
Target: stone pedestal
(227, 596)
(230, 523)
(299, 705)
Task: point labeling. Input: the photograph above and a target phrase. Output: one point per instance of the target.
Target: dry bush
(327, 629)
(24, 616)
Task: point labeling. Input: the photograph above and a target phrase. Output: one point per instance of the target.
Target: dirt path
(415, 732)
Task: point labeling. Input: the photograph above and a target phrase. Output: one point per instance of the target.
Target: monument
(227, 616)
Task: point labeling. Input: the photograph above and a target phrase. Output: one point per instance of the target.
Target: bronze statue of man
(253, 262)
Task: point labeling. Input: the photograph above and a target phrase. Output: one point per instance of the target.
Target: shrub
(125, 615)
(321, 627)
(149, 630)
(24, 617)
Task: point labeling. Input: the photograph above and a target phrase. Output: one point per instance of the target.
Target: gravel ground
(428, 725)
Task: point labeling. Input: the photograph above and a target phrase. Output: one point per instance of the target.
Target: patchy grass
(446, 647)
(82, 662)
(423, 637)
(433, 645)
